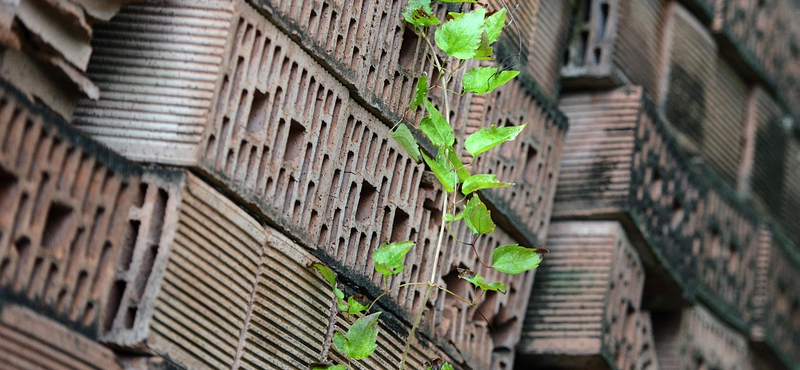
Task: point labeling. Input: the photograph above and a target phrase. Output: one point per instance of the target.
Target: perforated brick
(185, 284)
(695, 338)
(620, 163)
(63, 200)
(33, 341)
(586, 300)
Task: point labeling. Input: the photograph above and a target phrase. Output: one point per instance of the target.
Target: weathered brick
(619, 162)
(614, 42)
(694, 337)
(32, 341)
(185, 282)
(585, 305)
(64, 200)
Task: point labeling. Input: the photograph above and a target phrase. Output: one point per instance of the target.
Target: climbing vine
(460, 38)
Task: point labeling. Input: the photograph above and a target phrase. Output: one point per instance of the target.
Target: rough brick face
(586, 300)
(63, 201)
(33, 341)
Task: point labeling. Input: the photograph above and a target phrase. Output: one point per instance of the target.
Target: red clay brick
(32, 341)
(64, 200)
(586, 300)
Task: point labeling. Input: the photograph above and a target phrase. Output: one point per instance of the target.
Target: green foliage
(326, 272)
(461, 36)
(435, 126)
(477, 217)
(419, 13)
(488, 138)
(514, 259)
(389, 257)
(403, 136)
(356, 304)
(441, 168)
(479, 282)
(482, 181)
(494, 24)
(480, 80)
(420, 93)
(318, 366)
(361, 338)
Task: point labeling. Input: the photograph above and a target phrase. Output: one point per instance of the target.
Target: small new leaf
(450, 218)
(482, 181)
(488, 138)
(485, 50)
(460, 37)
(442, 170)
(477, 217)
(514, 259)
(420, 93)
(357, 304)
(494, 25)
(361, 338)
(404, 137)
(327, 273)
(481, 80)
(419, 13)
(479, 282)
(343, 306)
(452, 157)
(389, 258)
(435, 126)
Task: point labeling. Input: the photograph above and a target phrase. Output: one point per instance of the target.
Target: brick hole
(334, 122)
(324, 12)
(656, 184)
(238, 34)
(597, 54)
(145, 270)
(733, 258)
(8, 186)
(400, 225)
(339, 46)
(715, 245)
(242, 160)
(74, 251)
(229, 162)
(114, 303)
(276, 60)
(335, 225)
(56, 224)
(210, 146)
(366, 201)
(3, 269)
(88, 314)
(22, 249)
(312, 22)
(130, 317)
(236, 87)
(350, 201)
(262, 65)
(458, 286)
(258, 112)
(313, 220)
(223, 137)
(323, 235)
(223, 92)
(287, 196)
(48, 281)
(355, 58)
(34, 276)
(61, 301)
(294, 141)
(436, 213)
(487, 307)
(262, 177)
(302, 88)
(78, 292)
(602, 23)
(333, 31)
(677, 214)
(386, 89)
(408, 49)
(371, 74)
(251, 163)
(157, 217)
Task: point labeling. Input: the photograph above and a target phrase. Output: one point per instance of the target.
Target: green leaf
(458, 1)
(419, 13)
(454, 15)
(447, 366)
(461, 171)
(389, 257)
(514, 259)
(420, 93)
(488, 138)
(343, 306)
(338, 293)
(450, 218)
(482, 181)
(477, 217)
(361, 338)
(485, 50)
(404, 137)
(460, 37)
(327, 273)
(442, 170)
(435, 126)
(495, 24)
(357, 304)
(321, 366)
(479, 282)
(481, 80)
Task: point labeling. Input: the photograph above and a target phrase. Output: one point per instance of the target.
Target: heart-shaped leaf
(479, 282)
(442, 169)
(460, 37)
(326, 272)
(495, 24)
(389, 257)
(482, 181)
(361, 338)
(488, 138)
(357, 303)
(477, 217)
(420, 93)
(515, 259)
(404, 137)
(480, 80)
(435, 127)
(419, 13)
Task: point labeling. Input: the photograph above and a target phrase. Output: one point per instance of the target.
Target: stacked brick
(585, 306)
(45, 48)
(294, 129)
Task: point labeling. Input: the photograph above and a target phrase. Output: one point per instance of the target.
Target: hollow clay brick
(64, 200)
(695, 337)
(585, 305)
(614, 42)
(619, 163)
(32, 341)
(185, 282)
